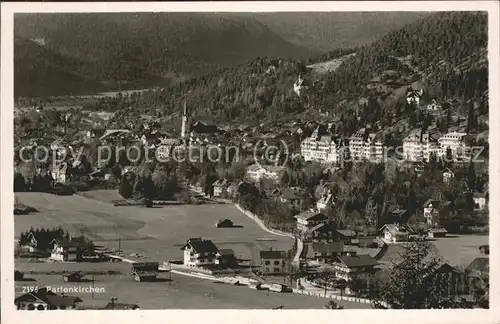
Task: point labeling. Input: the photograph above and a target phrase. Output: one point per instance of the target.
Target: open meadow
(181, 293)
(156, 233)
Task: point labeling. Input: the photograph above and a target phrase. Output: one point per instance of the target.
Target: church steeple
(185, 119)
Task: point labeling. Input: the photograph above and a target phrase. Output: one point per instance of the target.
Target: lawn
(157, 233)
(457, 250)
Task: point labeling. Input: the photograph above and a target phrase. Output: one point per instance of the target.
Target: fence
(330, 296)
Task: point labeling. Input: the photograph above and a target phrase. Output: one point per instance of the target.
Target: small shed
(121, 306)
(145, 271)
(18, 275)
(436, 232)
(224, 223)
(73, 277)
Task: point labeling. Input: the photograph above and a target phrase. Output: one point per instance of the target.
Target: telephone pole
(113, 302)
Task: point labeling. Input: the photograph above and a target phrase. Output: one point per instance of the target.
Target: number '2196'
(28, 289)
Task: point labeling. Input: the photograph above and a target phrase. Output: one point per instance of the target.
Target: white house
(308, 219)
(348, 266)
(325, 202)
(480, 200)
(67, 250)
(431, 211)
(414, 96)
(433, 106)
(275, 262)
(448, 175)
(394, 233)
(44, 299)
(59, 172)
(256, 172)
(299, 85)
(220, 188)
(199, 252)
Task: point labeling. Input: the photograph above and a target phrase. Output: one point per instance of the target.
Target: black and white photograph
(325, 160)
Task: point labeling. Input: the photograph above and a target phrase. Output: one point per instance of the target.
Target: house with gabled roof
(44, 299)
(394, 233)
(274, 262)
(308, 219)
(325, 202)
(323, 252)
(71, 249)
(322, 232)
(431, 211)
(480, 200)
(199, 252)
(145, 271)
(120, 306)
(288, 196)
(220, 187)
(348, 266)
(448, 175)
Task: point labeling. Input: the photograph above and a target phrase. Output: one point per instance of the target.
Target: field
(181, 293)
(157, 233)
(329, 66)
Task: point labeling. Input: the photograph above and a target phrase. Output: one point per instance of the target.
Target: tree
(471, 177)
(126, 189)
(480, 289)
(284, 179)
(19, 183)
(414, 283)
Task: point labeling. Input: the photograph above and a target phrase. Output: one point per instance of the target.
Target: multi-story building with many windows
(418, 146)
(320, 146)
(363, 145)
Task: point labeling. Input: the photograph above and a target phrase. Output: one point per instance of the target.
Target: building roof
(326, 199)
(140, 267)
(49, 298)
(309, 214)
(289, 194)
(270, 254)
(322, 227)
(346, 232)
(200, 245)
(480, 264)
(363, 260)
(438, 230)
(328, 247)
(226, 220)
(220, 183)
(77, 274)
(226, 252)
(446, 268)
(121, 306)
(435, 203)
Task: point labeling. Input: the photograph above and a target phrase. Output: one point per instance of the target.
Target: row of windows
(275, 262)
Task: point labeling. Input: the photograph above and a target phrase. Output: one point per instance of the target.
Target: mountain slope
(139, 48)
(325, 31)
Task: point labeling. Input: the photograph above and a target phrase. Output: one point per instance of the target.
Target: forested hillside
(444, 53)
(129, 50)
